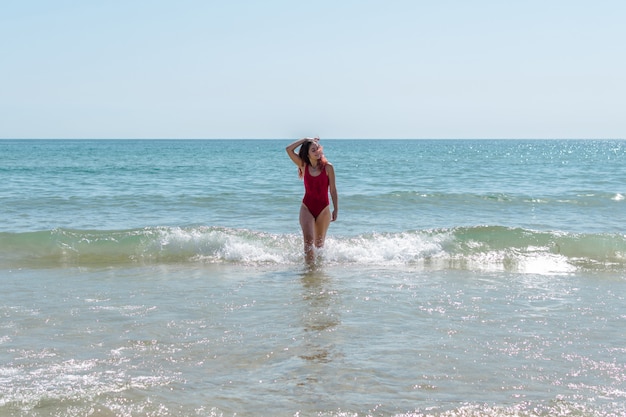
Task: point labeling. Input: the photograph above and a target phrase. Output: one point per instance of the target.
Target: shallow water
(226, 340)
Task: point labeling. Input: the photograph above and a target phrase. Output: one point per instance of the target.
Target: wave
(578, 198)
(480, 248)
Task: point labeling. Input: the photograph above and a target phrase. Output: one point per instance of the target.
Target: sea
(462, 278)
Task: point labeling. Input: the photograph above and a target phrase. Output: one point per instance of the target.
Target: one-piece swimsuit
(315, 191)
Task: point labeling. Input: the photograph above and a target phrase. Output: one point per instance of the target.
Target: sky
(332, 68)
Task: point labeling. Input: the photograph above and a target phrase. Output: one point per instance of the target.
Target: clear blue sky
(334, 68)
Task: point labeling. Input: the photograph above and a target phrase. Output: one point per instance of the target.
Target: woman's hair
(303, 153)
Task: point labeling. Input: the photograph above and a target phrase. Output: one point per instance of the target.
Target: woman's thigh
(321, 226)
(307, 222)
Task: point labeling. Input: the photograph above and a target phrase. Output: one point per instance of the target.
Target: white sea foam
(489, 248)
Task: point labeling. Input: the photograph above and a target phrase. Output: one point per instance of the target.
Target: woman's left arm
(330, 171)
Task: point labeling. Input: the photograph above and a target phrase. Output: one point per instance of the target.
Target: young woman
(319, 178)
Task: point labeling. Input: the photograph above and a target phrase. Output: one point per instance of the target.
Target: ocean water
(166, 278)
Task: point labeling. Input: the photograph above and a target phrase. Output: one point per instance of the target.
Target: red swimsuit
(315, 191)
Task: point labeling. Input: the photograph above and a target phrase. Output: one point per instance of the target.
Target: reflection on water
(320, 315)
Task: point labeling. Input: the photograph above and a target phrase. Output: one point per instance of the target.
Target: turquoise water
(462, 278)
(387, 186)
(404, 202)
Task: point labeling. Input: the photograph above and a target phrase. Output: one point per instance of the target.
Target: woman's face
(315, 151)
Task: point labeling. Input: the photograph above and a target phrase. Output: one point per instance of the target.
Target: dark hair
(303, 153)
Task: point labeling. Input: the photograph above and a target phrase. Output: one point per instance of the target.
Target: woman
(319, 177)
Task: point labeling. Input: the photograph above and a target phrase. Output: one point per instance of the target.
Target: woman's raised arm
(291, 151)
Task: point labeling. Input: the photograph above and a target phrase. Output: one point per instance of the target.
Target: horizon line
(326, 138)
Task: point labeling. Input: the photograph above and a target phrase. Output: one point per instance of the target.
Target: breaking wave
(481, 248)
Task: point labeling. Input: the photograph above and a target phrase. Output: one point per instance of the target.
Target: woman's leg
(321, 227)
(307, 222)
